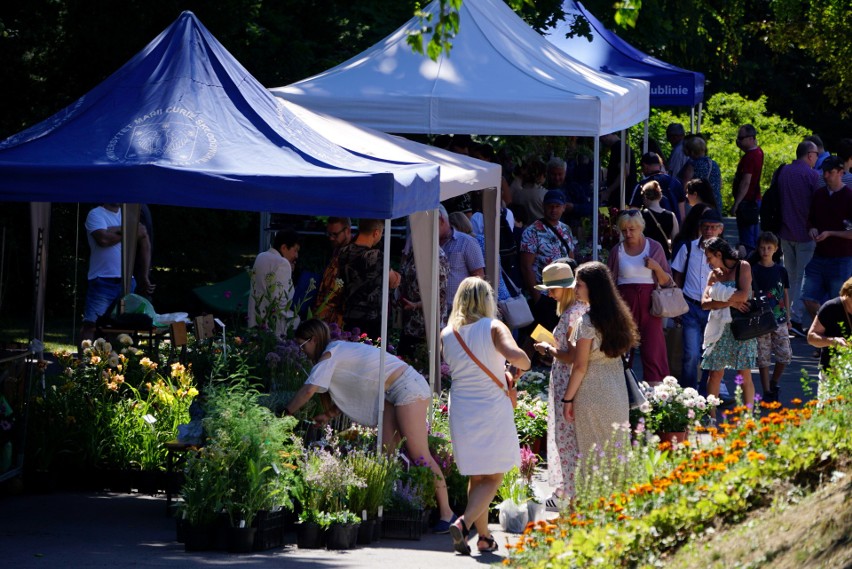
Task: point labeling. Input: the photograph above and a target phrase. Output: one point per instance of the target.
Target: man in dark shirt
(360, 266)
(832, 327)
(830, 225)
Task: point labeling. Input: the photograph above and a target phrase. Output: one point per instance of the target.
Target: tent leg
(698, 126)
(596, 199)
(645, 135)
(692, 119)
(623, 168)
(384, 331)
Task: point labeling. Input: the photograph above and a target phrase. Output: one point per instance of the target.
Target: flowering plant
(534, 383)
(530, 417)
(672, 408)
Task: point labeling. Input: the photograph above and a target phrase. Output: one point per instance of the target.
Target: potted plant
(203, 494)
(379, 473)
(410, 503)
(531, 420)
(324, 490)
(513, 493)
(341, 529)
(671, 409)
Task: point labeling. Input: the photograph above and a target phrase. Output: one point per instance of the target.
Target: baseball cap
(554, 196)
(710, 215)
(831, 163)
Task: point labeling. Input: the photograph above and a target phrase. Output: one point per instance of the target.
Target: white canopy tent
(501, 77)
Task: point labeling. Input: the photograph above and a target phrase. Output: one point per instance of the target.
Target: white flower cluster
(669, 394)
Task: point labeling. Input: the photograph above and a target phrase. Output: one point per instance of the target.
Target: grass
(57, 332)
(798, 530)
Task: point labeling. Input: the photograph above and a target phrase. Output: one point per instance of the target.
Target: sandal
(460, 533)
(490, 547)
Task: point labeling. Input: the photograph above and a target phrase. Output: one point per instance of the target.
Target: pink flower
(530, 414)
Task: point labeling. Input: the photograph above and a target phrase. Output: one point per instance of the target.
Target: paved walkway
(127, 530)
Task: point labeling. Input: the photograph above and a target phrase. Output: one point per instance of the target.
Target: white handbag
(515, 310)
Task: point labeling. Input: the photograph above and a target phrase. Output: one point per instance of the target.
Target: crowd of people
(600, 314)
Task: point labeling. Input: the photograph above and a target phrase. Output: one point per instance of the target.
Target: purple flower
(530, 414)
(227, 294)
(739, 379)
(757, 397)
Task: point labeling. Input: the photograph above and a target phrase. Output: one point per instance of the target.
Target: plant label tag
(407, 462)
(276, 470)
(381, 510)
(150, 419)
(364, 515)
(242, 524)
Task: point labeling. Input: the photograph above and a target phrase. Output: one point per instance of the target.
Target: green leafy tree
(725, 113)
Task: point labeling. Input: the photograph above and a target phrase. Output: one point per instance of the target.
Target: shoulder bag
(510, 389)
(515, 310)
(668, 302)
(759, 320)
(635, 395)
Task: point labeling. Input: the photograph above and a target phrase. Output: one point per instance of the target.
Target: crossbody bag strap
(510, 282)
(479, 363)
(660, 227)
(562, 239)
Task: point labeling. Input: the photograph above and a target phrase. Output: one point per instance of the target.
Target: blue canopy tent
(671, 86)
(183, 123)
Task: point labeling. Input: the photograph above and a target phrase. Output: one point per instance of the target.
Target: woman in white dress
(348, 373)
(482, 421)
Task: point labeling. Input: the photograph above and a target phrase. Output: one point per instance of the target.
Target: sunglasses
(630, 213)
(302, 345)
(334, 234)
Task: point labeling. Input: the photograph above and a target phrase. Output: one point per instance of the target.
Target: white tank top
(632, 269)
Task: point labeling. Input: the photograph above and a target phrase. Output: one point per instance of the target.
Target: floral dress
(728, 352)
(561, 437)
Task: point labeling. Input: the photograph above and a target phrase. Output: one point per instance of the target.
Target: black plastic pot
(342, 536)
(241, 540)
(366, 532)
(309, 535)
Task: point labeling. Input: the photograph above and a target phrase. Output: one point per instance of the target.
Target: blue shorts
(408, 388)
(824, 276)
(100, 294)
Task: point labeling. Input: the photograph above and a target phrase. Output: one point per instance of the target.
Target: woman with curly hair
(596, 396)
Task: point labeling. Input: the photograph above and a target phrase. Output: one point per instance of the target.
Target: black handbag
(635, 395)
(759, 320)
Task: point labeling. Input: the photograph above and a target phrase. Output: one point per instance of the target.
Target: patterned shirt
(465, 257)
(547, 247)
(413, 321)
(706, 167)
(361, 269)
(328, 305)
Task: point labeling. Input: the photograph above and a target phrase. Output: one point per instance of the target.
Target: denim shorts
(100, 293)
(824, 276)
(408, 388)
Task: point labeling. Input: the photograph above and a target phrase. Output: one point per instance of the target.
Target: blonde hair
(461, 222)
(568, 298)
(652, 191)
(316, 330)
(846, 288)
(631, 217)
(474, 300)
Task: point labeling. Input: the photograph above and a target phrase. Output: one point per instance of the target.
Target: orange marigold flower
(731, 458)
(796, 401)
(752, 455)
(777, 440)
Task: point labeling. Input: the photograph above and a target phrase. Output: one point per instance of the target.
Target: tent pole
(263, 238)
(698, 126)
(384, 331)
(435, 344)
(692, 119)
(596, 198)
(76, 276)
(623, 167)
(645, 135)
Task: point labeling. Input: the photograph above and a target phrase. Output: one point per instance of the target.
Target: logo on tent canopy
(172, 134)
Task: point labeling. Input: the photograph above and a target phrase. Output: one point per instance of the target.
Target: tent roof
(183, 123)
(459, 174)
(670, 85)
(501, 77)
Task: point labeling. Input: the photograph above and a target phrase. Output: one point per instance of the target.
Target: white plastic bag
(513, 516)
(536, 510)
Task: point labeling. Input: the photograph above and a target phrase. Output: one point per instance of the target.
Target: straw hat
(556, 275)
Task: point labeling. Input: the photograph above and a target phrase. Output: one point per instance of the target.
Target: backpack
(770, 206)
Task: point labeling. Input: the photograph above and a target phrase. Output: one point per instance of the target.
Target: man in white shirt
(270, 303)
(690, 271)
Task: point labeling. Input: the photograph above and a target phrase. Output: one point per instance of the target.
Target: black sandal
(460, 534)
(492, 545)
